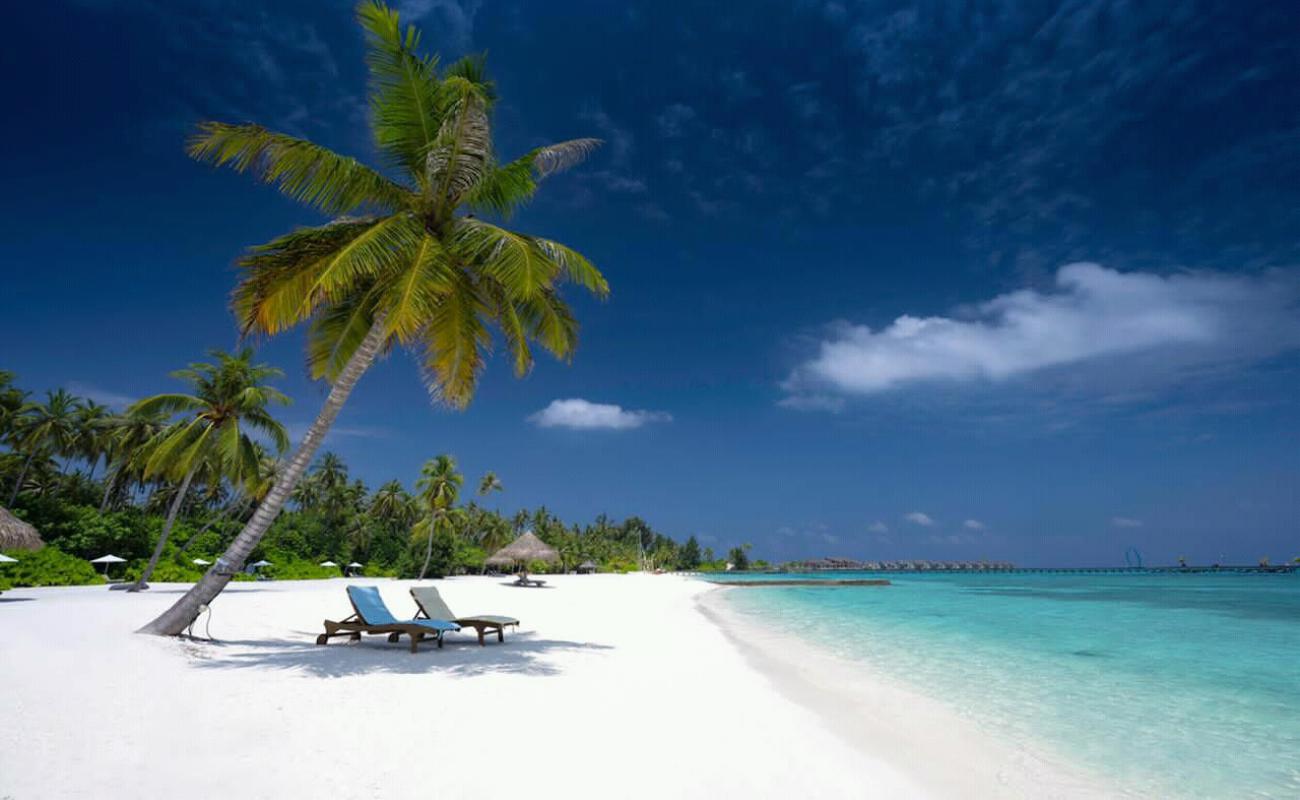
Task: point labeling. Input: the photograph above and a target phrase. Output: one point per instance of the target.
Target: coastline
(948, 754)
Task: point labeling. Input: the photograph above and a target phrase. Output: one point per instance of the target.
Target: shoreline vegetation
(93, 481)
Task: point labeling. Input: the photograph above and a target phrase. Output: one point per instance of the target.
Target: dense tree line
(175, 477)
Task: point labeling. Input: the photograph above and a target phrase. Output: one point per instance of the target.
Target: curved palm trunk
(110, 482)
(175, 619)
(22, 476)
(177, 502)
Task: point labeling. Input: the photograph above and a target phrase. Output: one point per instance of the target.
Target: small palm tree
(45, 429)
(489, 483)
(128, 433)
(414, 266)
(95, 423)
(211, 432)
(437, 490)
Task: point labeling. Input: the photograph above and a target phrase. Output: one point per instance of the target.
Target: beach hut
(523, 550)
(16, 534)
(586, 568)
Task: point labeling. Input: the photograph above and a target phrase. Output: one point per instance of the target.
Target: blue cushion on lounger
(373, 611)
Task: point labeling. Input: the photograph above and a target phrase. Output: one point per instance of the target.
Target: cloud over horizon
(578, 414)
(1196, 319)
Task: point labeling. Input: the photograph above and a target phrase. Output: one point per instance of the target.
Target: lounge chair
(432, 607)
(524, 580)
(372, 616)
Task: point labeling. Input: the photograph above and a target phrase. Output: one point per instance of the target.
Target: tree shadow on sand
(521, 654)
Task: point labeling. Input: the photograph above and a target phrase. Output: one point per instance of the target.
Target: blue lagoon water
(1167, 685)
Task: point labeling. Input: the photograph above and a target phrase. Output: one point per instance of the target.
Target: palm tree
(45, 429)
(94, 422)
(416, 270)
(392, 506)
(128, 433)
(438, 489)
(490, 483)
(228, 397)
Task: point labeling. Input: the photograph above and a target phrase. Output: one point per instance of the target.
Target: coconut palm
(128, 433)
(490, 483)
(392, 506)
(42, 430)
(437, 491)
(94, 422)
(410, 265)
(211, 433)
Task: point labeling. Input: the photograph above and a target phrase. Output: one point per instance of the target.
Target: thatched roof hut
(16, 534)
(524, 549)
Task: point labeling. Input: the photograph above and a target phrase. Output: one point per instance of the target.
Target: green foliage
(48, 566)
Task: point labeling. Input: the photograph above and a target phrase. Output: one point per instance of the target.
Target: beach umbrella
(260, 564)
(355, 566)
(328, 564)
(524, 549)
(106, 560)
(4, 559)
(16, 534)
(201, 562)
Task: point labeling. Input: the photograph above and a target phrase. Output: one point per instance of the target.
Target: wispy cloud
(974, 525)
(1125, 522)
(1094, 314)
(114, 400)
(919, 518)
(578, 414)
(297, 430)
(878, 527)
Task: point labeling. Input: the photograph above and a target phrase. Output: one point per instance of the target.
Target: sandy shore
(615, 686)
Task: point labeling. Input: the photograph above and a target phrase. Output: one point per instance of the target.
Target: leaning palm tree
(211, 434)
(43, 430)
(438, 489)
(405, 262)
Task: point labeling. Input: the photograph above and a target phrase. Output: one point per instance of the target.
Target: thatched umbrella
(586, 566)
(16, 534)
(524, 549)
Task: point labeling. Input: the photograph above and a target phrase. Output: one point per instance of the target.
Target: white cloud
(1095, 314)
(919, 518)
(579, 414)
(974, 525)
(1125, 522)
(878, 527)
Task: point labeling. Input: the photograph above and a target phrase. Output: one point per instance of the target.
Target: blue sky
(940, 280)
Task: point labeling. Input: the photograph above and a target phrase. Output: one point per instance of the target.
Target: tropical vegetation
(90, 491)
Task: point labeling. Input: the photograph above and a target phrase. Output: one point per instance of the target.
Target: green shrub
(48, 566)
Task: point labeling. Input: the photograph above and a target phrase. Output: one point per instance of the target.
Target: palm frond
(510, 259)
(503, 188)
(558, 157)
(462, 154)
(404, 90)
(289, 278)
(166, 404)
(411, 299)
(455, 342)
(337, 332)
(300, 169)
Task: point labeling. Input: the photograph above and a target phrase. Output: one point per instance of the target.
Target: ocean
(1170, 686)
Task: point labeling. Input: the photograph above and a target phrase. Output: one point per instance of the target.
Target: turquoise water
(1168, 685)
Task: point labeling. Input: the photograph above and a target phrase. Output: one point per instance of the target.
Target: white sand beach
(614, 686)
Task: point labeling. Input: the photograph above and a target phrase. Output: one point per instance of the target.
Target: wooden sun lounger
(373, 617)
(432, 606)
